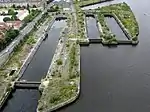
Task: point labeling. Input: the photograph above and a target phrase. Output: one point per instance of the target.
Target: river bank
(62, 83)
(17, 61)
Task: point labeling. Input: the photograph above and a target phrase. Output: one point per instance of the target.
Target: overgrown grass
(58, 91)
(80, 22)
(107, 35)
(126, 16)
(16, 61)
(71, 23)
(64, 84)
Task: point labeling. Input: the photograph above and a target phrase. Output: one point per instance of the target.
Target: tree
(56, 7)
(3, 13)
(14, 17)
(18, 7)
(23, 7)
(11, 12)
(34, 6)
(11, 34)
(28, 19)
(13, 6)
(46, 13)
(28, 8)
(6, 19)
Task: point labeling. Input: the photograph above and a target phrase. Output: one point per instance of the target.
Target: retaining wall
(119, 23)
(71, 100)
(4, 99)
(7, 52)
(33, 51)
(23, 67)
(97, 25)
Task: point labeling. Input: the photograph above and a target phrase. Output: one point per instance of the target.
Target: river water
(113, 79)
(40, 63)
(25, 100)
(115, 28)
(117, 79)
(92, 29)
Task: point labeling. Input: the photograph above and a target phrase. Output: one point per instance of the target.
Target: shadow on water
(92, 29)
(26, 101)
(40, 63)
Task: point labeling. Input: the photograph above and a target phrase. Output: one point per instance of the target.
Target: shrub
(11, 12)
(59, 62)
(134, 38)
(72, 76)
(55, 98)
(14, 17)
(31, 40)
(6, 19)
(34, 6)
(18, 7)
(13, 6)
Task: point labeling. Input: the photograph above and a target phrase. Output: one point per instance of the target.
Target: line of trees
(24, 7)
(10, 35)
(31, 16)
(13, 16)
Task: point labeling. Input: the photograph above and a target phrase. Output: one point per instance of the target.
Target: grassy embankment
(124, 14)
(16, 61)
(80, 23)
(61, 83)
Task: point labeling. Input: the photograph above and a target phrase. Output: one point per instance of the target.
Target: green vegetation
(58, 91)
(9, 36)
(71, 23)
(31, 40)
(59, 62)
(72, 59)
(43, 18)
(7, 19)
(11, 12)
(80, 22)
(54, 8)
(33, 13)
(107, 36)
(15, 61)
(64, 81)
(125, 15)
(13, 18)
(22, 7)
